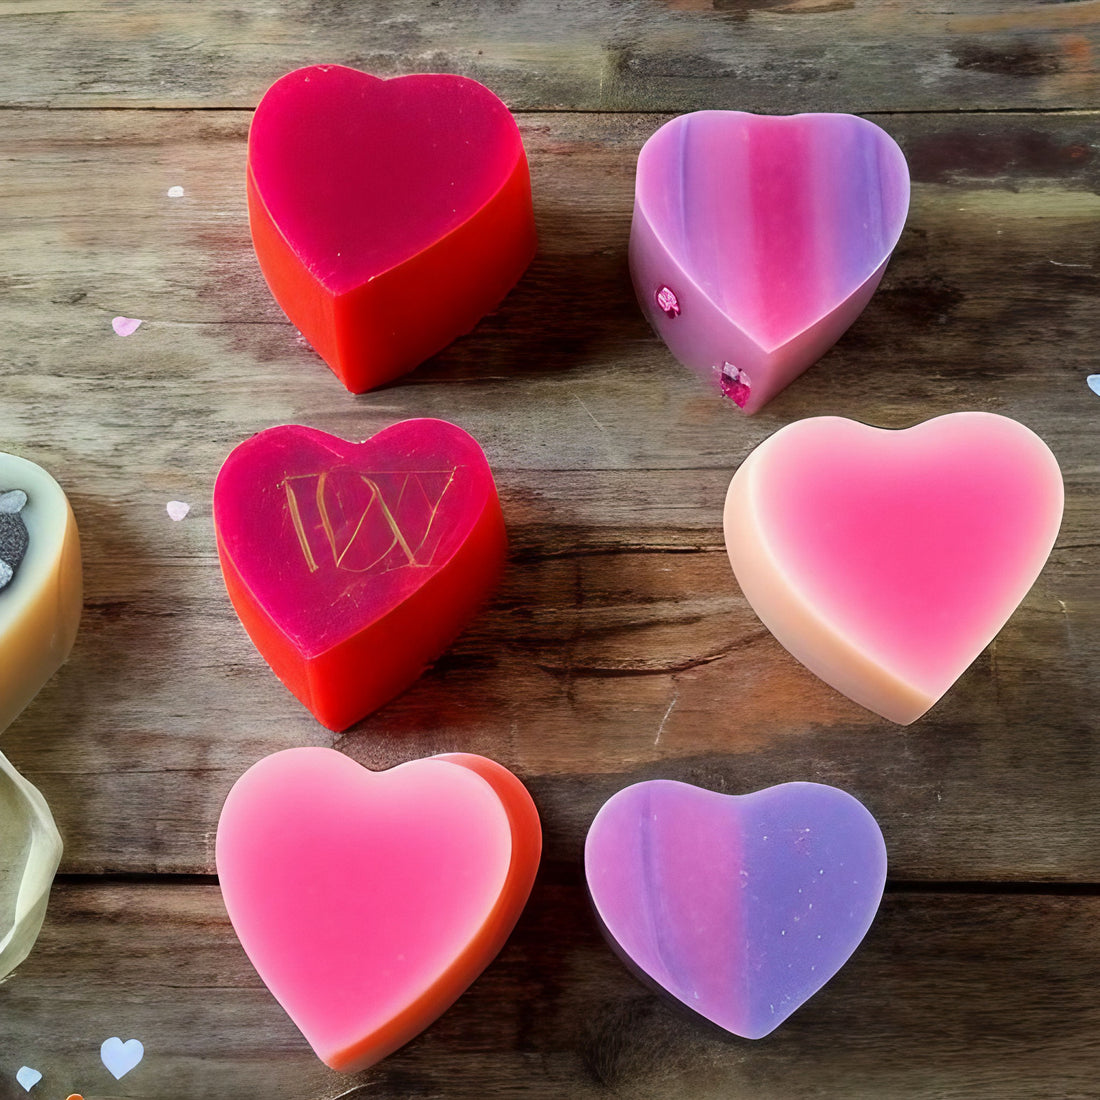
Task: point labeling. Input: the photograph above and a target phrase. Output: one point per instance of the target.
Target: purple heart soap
(740, 906)
(758, 239)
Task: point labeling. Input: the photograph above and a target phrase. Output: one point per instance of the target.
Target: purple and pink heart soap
(741, 907)
(757, 240)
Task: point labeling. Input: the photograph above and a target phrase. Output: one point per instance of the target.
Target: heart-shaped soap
(41, 589)
(740, 906)
(886, 561)
(369, 901)
(757, 240)
(353, 565)
(388, 216)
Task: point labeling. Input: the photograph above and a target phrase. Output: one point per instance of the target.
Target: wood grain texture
(654, 55)
(619, 646)
(950, 997)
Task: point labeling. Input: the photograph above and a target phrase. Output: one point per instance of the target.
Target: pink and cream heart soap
(757, 239)
(369, 901)
(354, 565)
(886, 561)
(739, 906)
(388, 216)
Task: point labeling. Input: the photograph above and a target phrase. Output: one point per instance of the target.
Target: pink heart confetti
(125, 326)
(177, 509)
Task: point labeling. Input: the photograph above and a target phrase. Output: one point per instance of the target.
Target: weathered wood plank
(612, 463)
(654, 55)
(998, 267)
(949, 996)
(588, 673)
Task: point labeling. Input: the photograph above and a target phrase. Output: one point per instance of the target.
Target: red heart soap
(353, 565)
(388, 216)
(369, 901)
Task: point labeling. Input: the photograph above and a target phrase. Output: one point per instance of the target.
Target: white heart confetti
(175, 192)
(28, 1077)
(125, 326)
(177, 509)
(120, 1057)
(1094, 383)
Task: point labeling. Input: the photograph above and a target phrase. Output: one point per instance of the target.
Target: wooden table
(619, 647)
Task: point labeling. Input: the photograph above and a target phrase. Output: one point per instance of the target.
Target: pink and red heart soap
(388, 216)
(757, 240)
(886, 561)
(369, 901)
(354, 565)
(739, 906)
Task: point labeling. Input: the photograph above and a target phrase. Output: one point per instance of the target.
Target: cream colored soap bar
(41, 589)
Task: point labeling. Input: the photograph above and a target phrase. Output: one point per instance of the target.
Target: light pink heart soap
(757, 240)
(886, 561)
(369, 901)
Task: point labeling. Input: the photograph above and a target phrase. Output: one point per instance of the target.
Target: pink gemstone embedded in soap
(771, 233)
(368, 901)
(886, 561)
(741, 907)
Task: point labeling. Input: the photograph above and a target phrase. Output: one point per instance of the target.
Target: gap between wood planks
(520, 111)
(561, 873)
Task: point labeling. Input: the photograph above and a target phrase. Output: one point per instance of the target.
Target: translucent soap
(30, 850)
(354, 565)
(388, 216)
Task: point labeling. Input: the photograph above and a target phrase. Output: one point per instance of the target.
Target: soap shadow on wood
(573, 307)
